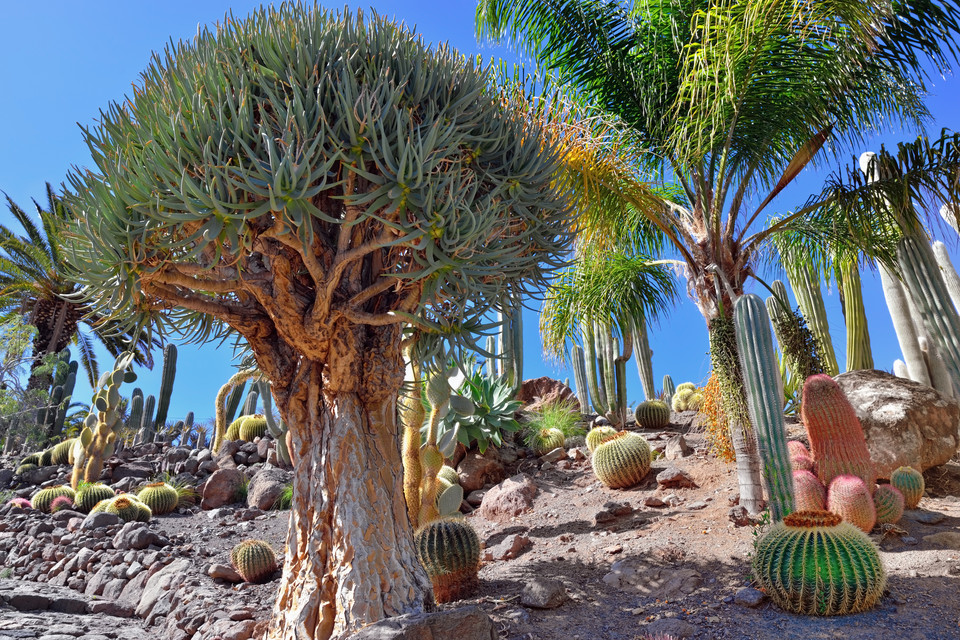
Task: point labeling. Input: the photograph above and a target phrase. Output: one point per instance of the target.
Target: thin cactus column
(764, 395)
(250, 404)
(644, 356)
(668, 390)
(233, 400)
(580, 377)
(510, 341)
(166, 387)
(147, 432)
(949, 273)
(806, 289)
(899, 308)
(859, 355)
(227, 407)
(598, 398)
(278, 431)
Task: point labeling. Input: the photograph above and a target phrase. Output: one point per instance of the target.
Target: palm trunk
(350, 558)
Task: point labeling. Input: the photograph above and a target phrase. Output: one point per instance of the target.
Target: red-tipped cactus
(20, 503)
(836, 437)
(808, 492)
(61, 503)
(889, 504)
(910, 483)
(800, 457)
(849, 497)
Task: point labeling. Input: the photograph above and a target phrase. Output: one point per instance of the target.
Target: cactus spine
(166, 386)
(764, 395)
(836, 437)
(812, 563)
(622, 460)
(449, 550)
(254, 560)
(644, 355)
(800, 458)
(910, 483)
(101, 429)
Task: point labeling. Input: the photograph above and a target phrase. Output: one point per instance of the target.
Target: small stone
(554, 455)
(546, 466)
(671, 627)
(613, 550)
(696, 506)
(674, 478)
(926, 517)
(654, 501)
(224, 572)
(909, 540)
(677, 448)
(750, 597)
(99, 521)
(543, 593)
(510, 547)
(712, 619)
(576, 454)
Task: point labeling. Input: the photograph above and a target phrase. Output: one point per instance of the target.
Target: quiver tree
(312, 181)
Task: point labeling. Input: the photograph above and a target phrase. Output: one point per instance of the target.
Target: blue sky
(61, 62)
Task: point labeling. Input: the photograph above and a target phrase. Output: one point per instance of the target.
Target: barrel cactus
(233, 431)
(252, 427)
(910, 483)
(60, 453)
(800, 457)
(43, 499)
(544, 440)
(889, 504)
(597, 435)
(622, 460)
(813, 563)
(46, 458)
(26, 468)
(90, 494)
(683, 386)
(652, 414)
(61, 503)
(33, 458)
(124, 507)
(160, 497)
(20, 503)
(808, 492)
(254, 560)
(449, 550)
(849, 497)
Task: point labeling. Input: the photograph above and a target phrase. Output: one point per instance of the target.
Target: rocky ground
(565, 557)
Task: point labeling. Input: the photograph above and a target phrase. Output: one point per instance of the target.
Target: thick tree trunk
(350, 556)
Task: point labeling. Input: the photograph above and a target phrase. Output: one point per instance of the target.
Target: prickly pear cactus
(622, 461)
(89, 494)
(910, 483)
(813, 563)
(42, 500)
(597, 435)
(850, 498)
(254, 560)
(449, 550)
(252, 427)
(652, 414)
(808, 492)
(889, 504)
(449, 474)
(160, 497)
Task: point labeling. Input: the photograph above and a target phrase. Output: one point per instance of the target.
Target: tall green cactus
(764, 395)
(68, 386)
(250, 404)
(806, 289)
(187, 428)
(606, 370)
(135, 418)
(904, 327)
(947, 270)
(98, 438)
(580, 376)
(510, 341)
(166, 386)
(233, 401)
(147, 431)
(668, 390)
(859, 354)
(278, 431)
(644, 356)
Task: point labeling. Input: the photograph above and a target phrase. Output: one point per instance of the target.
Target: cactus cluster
(800, 457)
(252, 427)
(622, 460)
(910, 483)
(809, 494)
(449, 550)
(42, 500)
(652, 414)
(603, 368)
(849, 497)
(61, 453)
(813, 563)
(126, 506)
(160, 497)
(254, 560)
(687, 398)
(597, 435)
(89, 494)
(889, 504)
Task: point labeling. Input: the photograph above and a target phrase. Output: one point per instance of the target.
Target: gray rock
(925, 517)
(170, 577)
(28, 601)
(543, 593)
(536, 393)
(749, 597)
(905, 423)
(233, 630)
(677, 448)
(554, 456)
(136, 535)
(696, 506)
(126, 485)
(137, 469)
(99, 521)
(654, 501)
(670, 627)
(675, 478)
(651, 580)
(468, 623)
(225, 455)
(221, 488)
(509, 499)
(510, 547)
(475, 498)
(266, 486)
(224, 572)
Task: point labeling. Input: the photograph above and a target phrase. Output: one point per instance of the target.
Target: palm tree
(729, 100)
(34, 283)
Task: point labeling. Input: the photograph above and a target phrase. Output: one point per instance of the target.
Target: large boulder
(509, 499)
(905, 423)
(266, 487)
(537, 392)
(222, 488)
(467, 623)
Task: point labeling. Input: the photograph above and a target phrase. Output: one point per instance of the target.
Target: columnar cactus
(90, 494)
(836, 437)
(98, 438)
(233, 400)
(147, 431)
(859, 354)
(813, 563)
(166, 386)
(806, 289)
(652, 414)
(764, 394)
(622, 461)
(135, 418)
(809, 494)
(228, 399)
(278, 430)
(510, 340)
(252, 427)
(606, 370)
(668, 390)
(43, 499)
(580, 377)
(160, 497)
(904, 327)
(850, 498)
(800, 457)
(250, 404)
(644, 356)
(449, 550)
(910, 483)
(889, 504)
(597, 435)
(254, 560)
